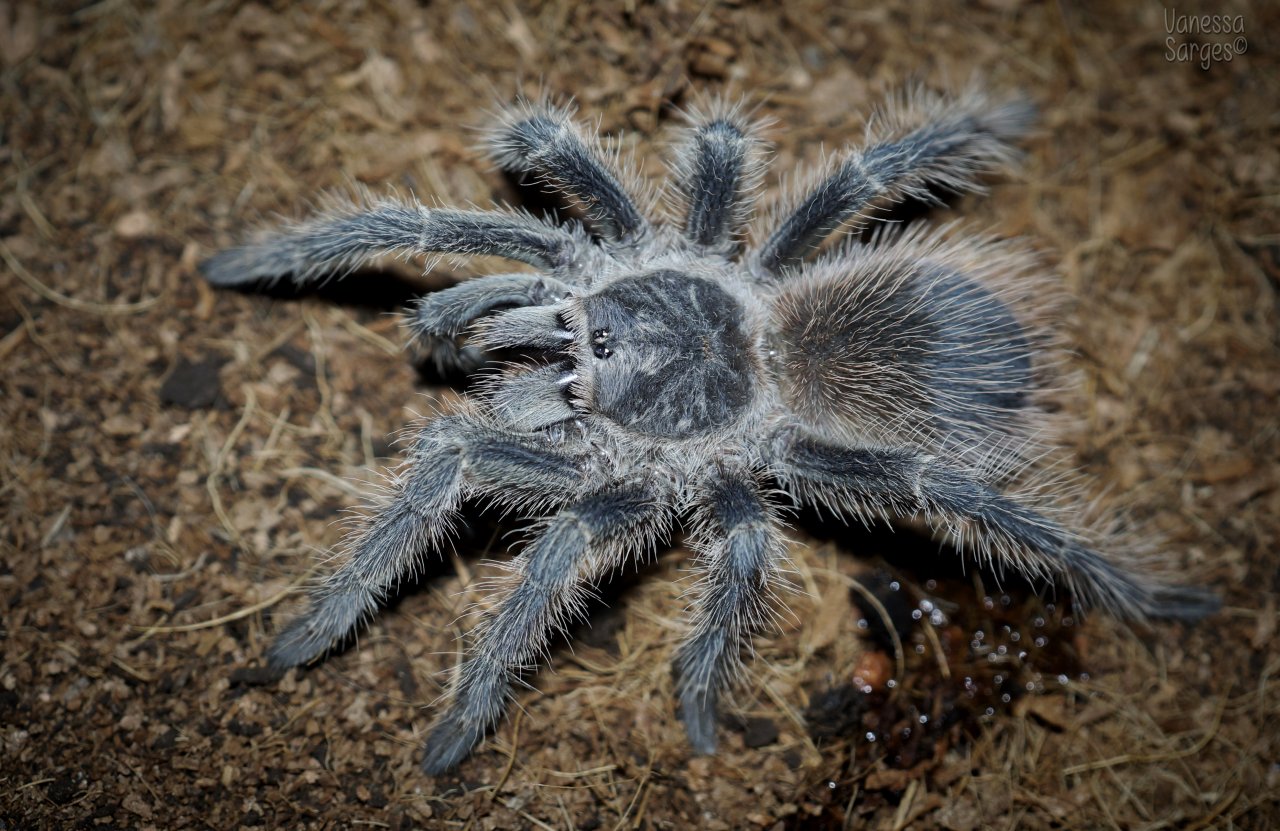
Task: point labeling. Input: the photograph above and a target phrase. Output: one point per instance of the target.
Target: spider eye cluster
(599, 343)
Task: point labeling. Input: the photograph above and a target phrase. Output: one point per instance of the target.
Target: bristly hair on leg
(717, 166)
(542, 139)
(919, 141)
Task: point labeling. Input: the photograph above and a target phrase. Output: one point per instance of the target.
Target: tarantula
(667, 372)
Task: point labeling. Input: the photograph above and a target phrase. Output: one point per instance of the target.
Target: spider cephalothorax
(665, 375)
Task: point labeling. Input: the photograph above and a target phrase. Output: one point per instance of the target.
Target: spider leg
(586, 539)
(869, 482)
(740, 569)
(449, 456)
(438, 318)
(717, 164)
(919, 143)
(446, 313)
(544, 141)
(339, 242)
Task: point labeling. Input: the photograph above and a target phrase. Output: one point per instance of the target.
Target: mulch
(173, 459)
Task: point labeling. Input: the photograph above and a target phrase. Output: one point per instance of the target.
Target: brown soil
(173, 458)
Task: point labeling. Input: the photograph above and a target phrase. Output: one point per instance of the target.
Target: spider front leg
(917, 143)
(438, 318)
(337, 243)
(449, 456)
(717, 165)
(544, 141)
(740, 567)
(868, 482)
(588, 538)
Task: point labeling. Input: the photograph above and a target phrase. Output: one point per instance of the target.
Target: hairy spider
(665, 374)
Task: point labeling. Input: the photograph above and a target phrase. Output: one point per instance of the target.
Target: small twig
(644, 782)
(1144, 758)
(237, 615)
(215, 471)
(35, 783)
(511, 760)
(71, 302)
(371, 337)
(935, 643)
(578, 774)
(904, 807)
(1217, 811)
(899, 656)
(535, 820)
(59, 522)
(345, 485)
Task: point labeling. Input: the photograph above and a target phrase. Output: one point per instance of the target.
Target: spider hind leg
(449, 455)
(577, 546)
(740, 569)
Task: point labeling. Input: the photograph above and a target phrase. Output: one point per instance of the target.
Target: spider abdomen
(879, 346)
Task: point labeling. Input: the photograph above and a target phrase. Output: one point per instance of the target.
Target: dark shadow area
(539, 200)
(942, 204)
(913, 552)
(372, 289)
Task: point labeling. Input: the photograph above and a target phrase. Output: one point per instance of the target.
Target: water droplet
(916, 614)
(871, 737)
(924, 719)
(895, 586)
(1042, 642)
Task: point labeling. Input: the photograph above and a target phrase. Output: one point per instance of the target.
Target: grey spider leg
(544, 141)
(587, 538)
(438, 318)
(956, 140)
(446, 313)
(717, 165)
(866, 482)
(740, 569)
(450, 455)
(337, 243)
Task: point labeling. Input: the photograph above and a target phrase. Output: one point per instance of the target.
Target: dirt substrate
(173, 459)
